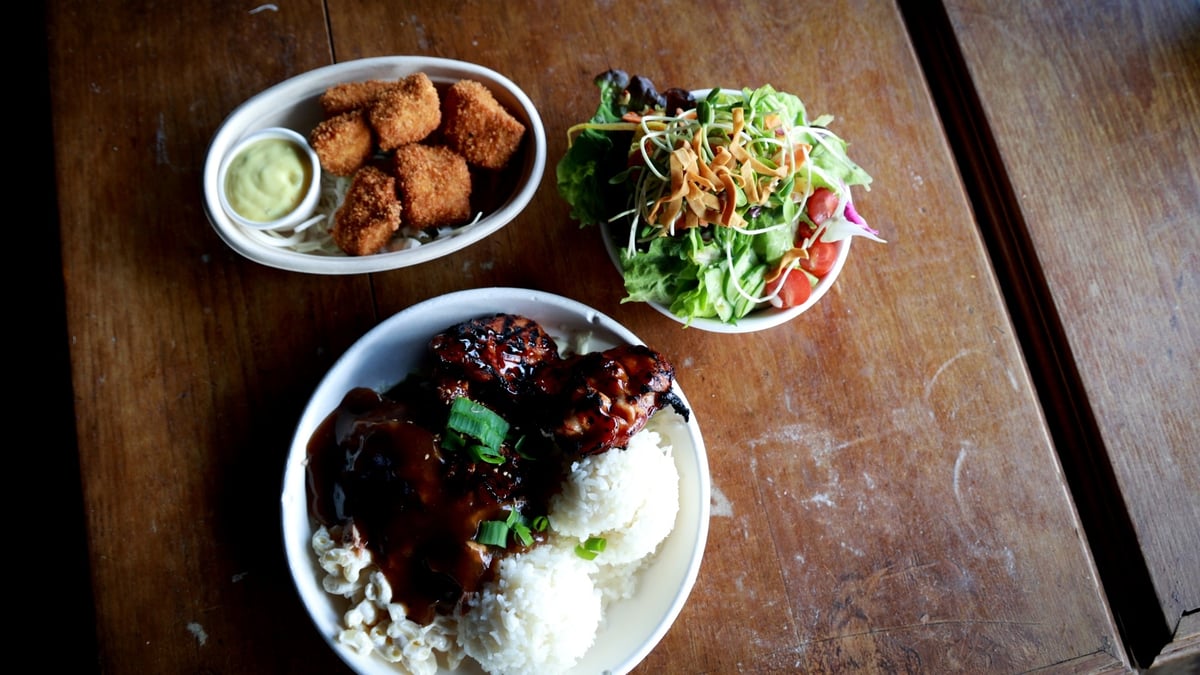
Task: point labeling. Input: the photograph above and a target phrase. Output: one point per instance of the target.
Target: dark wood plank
(55, 462)
(189, 363)
(1082, 140)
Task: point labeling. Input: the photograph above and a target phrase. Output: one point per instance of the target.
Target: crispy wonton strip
(704, 192)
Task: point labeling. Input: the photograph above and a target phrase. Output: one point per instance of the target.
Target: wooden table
(1082, 146)
(891, 489)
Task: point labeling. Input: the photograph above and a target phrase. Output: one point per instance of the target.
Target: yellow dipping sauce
(268, 180)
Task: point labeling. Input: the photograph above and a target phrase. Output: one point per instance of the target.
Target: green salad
(720, 205)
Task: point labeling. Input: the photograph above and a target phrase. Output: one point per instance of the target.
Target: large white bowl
(393, 349)
(293, 104)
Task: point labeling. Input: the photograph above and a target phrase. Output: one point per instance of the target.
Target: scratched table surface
(887, 494)
(1089, 175)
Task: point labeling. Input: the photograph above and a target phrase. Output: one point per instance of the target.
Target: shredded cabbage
(315, 235)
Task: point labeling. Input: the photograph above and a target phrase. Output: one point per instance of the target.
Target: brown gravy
(376, 462)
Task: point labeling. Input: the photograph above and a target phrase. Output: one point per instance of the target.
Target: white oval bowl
(307, 203)
(759, 319)
(390, 351)
(294, 104)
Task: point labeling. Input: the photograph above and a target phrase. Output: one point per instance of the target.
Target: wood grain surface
(886, 493)
(1094, 118)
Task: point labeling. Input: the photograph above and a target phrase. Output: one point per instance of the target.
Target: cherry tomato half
(796, 289)
(822, 203)
(821, 257)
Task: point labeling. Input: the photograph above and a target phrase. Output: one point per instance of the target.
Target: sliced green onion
(484, 454)
(477, 421)
(589, 549)
(521, 532)
(452, 440)
(516, 443)
(520, 528)
(493, 533)
(470, 419)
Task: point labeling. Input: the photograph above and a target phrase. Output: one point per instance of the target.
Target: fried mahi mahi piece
(405, 113)
(343, 142)
(347, 96)
(599, 400)
(478, 127)
(434, 185)
(490, 360)
(370, 213)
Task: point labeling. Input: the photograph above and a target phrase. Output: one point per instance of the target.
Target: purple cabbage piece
(853, 217)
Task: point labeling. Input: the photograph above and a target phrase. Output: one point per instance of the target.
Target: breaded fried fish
(434, 185)
(343, 142)
(370, 213)
(478, 127)
(348, 96)
(406, 112)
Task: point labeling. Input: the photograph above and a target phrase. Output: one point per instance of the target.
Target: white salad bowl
(760, 319)
(386, 354)
(293, 104)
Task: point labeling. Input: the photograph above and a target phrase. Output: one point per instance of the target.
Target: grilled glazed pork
(599, 400)
(588, 402)
(489, 360)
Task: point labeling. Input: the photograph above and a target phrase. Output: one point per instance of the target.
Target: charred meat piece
(490, 360)
(599, 400)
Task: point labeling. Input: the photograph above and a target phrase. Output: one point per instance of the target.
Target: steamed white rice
(540, 616)
(629, 497)
(543, 611)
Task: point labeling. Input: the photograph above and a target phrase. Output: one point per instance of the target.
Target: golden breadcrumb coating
(343, 142)
(478, 127)
(405, 113)
(370, 213)
(349, 96)
(434, 185)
